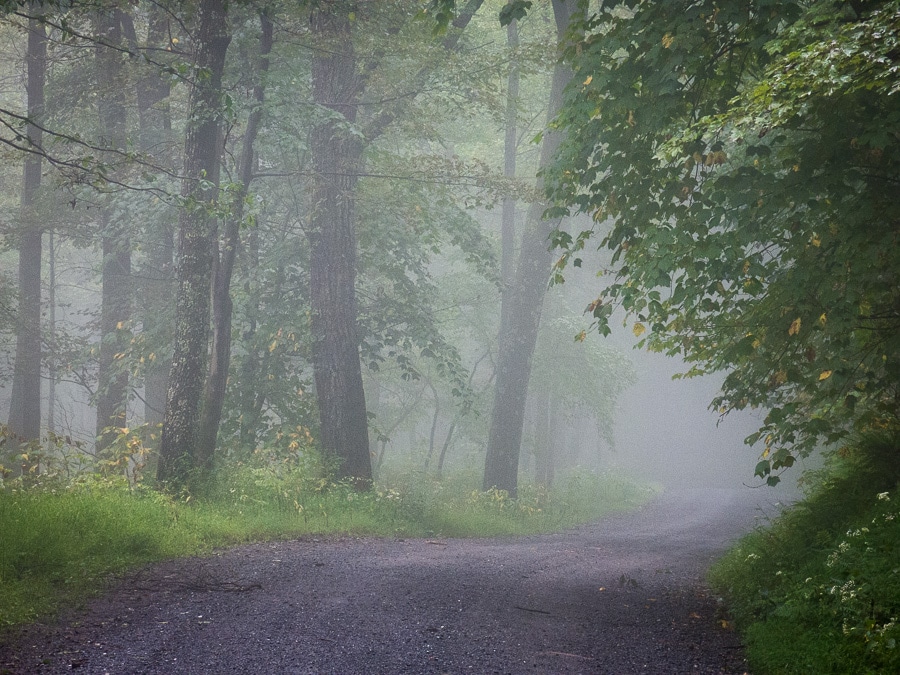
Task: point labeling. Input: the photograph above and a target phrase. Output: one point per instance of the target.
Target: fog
(430, 253)
(665, 432)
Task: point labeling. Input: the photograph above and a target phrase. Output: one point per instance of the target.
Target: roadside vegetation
(62, 539)
(818, 590)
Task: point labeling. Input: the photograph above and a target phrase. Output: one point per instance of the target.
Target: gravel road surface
(625, 595)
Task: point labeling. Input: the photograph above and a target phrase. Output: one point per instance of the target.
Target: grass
(60, 542)
(818, 590)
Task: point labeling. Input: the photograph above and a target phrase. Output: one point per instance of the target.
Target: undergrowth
(818, 590)
(62, 538)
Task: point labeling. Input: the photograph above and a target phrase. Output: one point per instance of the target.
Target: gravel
(625, 595)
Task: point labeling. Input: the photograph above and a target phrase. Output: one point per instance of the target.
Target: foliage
(819, 589)
(738, 160)
(584, 375)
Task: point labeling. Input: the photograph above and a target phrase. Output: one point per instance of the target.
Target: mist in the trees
(355, 248)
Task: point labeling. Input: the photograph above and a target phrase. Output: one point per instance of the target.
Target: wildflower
(883, 496)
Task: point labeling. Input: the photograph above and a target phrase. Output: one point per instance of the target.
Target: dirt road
(621, 596)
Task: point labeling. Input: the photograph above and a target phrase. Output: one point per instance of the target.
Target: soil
(625, 595)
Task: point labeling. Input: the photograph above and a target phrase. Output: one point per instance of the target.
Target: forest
(279, 250)
(327, 274)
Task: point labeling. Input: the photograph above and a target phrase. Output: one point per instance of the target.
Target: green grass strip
(59, 544)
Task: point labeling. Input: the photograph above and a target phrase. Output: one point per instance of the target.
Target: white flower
(883, 496)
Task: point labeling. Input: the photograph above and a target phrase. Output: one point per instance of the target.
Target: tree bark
(25, 405)
(336, 155)
(115, 309)
(508, 214)
(217, 377)
(523, 315)
(155, 136)
(196, 232)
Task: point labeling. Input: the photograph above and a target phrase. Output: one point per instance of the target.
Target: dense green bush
(818, 591)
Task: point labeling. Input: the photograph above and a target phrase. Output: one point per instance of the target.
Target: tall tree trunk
(155, 136)
(52, 364)
(25, 406)
(196, 236)
(115, 310)
(523, 315)
(508, 217)
(336, 156)
(217, 377)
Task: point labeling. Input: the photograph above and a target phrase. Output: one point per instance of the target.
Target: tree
(743, 157)
(115, 311)
(196, 230)
(220, 359)
(152, 92)
(518, 335)
(336, 150)
(337, 145)
(25, 405)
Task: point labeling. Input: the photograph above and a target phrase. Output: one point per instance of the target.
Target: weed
(819, 589)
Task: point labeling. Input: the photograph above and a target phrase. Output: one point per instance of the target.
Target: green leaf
(513, 11)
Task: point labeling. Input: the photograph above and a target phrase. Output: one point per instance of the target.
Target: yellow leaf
(795, 326)
(638, 329)
(667, 40)
(120, 325)
(630, 120)
(273, 345)
(823, 319)
(816, 241)
(588, 80)
(765, 454)
(581, 336)
(824, 375)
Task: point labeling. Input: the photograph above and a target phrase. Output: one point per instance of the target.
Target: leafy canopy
(740, 162)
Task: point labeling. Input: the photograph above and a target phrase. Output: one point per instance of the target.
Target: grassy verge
(818, 591)
(58, 542)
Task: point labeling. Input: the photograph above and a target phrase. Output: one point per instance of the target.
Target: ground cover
(61, 540)
(818, 589)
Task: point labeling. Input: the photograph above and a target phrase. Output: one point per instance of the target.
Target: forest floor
(625, 595)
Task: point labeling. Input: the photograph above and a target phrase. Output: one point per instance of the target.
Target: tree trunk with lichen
(196, 234)
(336, 155)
